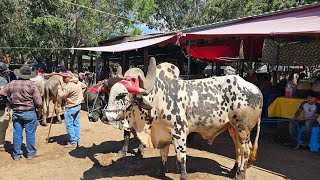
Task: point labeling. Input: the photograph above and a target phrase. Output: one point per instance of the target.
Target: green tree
(174, 15)
(50, 25)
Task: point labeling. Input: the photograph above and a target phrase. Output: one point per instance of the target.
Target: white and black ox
(163, 110)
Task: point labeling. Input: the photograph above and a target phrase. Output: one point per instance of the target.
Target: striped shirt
(23, 95)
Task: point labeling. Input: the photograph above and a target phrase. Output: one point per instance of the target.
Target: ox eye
(121, 96)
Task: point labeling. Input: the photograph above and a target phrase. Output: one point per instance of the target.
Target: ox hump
(171, 71)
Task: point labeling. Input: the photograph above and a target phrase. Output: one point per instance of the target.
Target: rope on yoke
(94, 103)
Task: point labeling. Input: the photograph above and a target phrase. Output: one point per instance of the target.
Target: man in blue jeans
(73, 96)
(26, 103)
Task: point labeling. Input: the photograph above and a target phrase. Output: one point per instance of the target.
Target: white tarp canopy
(128, 46)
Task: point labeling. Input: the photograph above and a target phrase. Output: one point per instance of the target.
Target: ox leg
(44, 113)
(244, 139)
(164, 159)
(139, 154)
(235, 140)
(124, 149)
(57, 110)
(179, 142)
(140, 151)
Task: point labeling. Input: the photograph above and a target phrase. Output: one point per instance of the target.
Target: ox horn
(151, 75)
(119, 71)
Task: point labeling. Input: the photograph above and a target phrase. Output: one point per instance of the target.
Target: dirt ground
(97, 158)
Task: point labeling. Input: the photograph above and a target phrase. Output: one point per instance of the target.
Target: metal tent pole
(189, 58)
(91, 62)
(275, 80)
(145, 59)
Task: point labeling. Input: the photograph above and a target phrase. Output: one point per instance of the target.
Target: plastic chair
(314, 139)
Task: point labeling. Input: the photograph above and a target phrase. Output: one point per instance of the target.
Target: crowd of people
(20, 100)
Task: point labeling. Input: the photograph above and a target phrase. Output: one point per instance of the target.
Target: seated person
(311, 111)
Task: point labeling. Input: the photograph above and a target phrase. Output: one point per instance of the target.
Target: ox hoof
(44, 124)
(139, 156)
(241, 175)
(183, 177)
(60, 122)
(250, 163)
(122, 153)
(234, 170)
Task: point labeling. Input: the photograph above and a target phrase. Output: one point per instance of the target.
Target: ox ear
(151, 75)
(142, 103)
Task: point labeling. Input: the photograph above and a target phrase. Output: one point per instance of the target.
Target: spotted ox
(164, 110)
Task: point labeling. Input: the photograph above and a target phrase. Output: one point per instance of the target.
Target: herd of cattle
(161, 110)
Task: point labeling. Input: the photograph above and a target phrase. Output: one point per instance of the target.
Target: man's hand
(303, 119)
(39, 113)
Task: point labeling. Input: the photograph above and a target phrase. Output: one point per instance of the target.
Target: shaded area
(131, 166)
(61, 139)
(272, 156)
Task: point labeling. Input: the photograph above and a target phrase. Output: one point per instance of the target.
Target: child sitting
(311, 111)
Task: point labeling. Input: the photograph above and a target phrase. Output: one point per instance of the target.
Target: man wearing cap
(26, 103)
(5, 114)
(72, 94)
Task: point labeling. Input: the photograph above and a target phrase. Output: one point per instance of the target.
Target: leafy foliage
(50, 25)
(174, 15)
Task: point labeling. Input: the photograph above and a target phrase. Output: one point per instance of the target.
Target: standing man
(73, 96)
(26, 103)
(5, 114)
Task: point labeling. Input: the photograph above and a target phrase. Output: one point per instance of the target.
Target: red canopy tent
(227, 48)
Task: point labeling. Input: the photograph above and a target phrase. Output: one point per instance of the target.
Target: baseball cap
(65, 74)
(3, 66)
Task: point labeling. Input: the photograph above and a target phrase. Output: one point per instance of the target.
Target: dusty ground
(97, 159)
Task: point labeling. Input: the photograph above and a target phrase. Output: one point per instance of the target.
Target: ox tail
(254, 150)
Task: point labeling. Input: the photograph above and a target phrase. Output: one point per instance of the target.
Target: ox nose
(111, 116)
(92, 118)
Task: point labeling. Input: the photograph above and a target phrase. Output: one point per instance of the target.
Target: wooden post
(145, 59)
(275, 79)
(212, 63)
(80, 61)
(251, 49)
(180, 58)
(104, 56)
(217, 69)
(91, 62)
(242, 68)
(189, 58)
(108, 68)
(124, 62)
